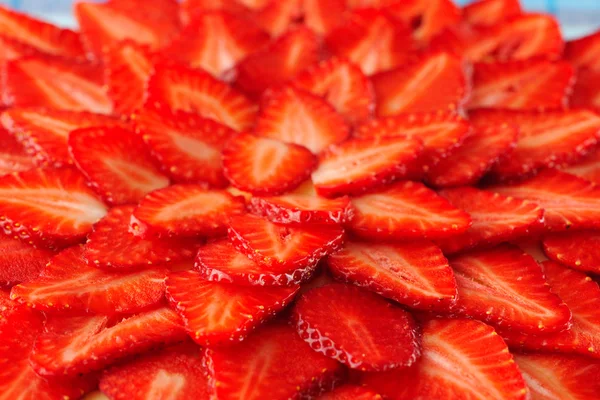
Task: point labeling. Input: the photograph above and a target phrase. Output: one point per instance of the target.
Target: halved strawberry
(587, 167)
(261, 165)
(44, 131)
(577, 250)
(426, 17)
(56, 83)
(73, 345)
(215, 41)
(323, 16)
(351, 392)
(584, 52)
(19, 262)
(273, 363)
(496, 218)
(460, 359)
(284, 251)
(112, 245)
(217, 313)
(569, 202)
(187, 145)
(414, 273)
(13, 157)
(407, 210)
(116, 163)
(343, 85)
(193, 90)
(560, 376)
(433, 82)
(49, 208)
(476, 155)
(581, 294)
(586, 92)
(296, 116)
(522, 85)
(372, 40)
(329, 317)
(358, 165)
(69, 283)
(175, 372)
(490, 12)
(104, 24)
(277, 17)
(277, 62)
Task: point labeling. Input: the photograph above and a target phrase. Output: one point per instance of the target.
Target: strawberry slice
(490, 12)
(584, 53)
(496, 218)
(192, 90)
(474, 158)
(13, 157)
(323, 16)
(407, 210)
(577, 250)
(586, 92)
(426, 17)
(191, 8)
(116, 163)
(112, 245)
(358, 165)
(273, 363)
(560, 376)
(372, 40)
(329, 317)
(20, 262)
(343, 85)
(215, 41)
(522, 85)
(295, 116)
(569, 202)
(50, 208)
(351, 392)
(415, 273)
(104, 24)
(581, 294)
(187, 210)
(461, 359)
(72, 345)
(277, 17)
(436, 81)
(56, 83)
(69, 283)
(277, 62)
(587, 167)
(264, 166)
(221, 313)
(283, 250)
(187, 145)
(44, 131)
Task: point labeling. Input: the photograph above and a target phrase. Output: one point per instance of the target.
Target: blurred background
(577, 17)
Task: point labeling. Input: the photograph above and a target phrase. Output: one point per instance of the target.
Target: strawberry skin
(583, 52)
(351, 392)
(577, 250)
(588, 167)
(19, 262)
(586, 90)
(13, 157)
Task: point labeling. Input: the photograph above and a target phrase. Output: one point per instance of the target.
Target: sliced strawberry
(372, 40)
(560, 376)
(277, 17)
(186, 89)
(69, 283)
(295, 116)
(50, 208)
(407, 210)
(72, 345)
(490, 12)
(191, 8)
(577, 250)
(522, 85)
(496, 218)
(277, 62)
(474, 158)
(436, 81)
(415, 273)
(581, 294)
(55, 83)
(273, 363)
(175, 372)
(19, 262)
(111, 245)
(569, 202)
(586, 92)
(116, 163)
(584, 52)
(13, 157)
(264, 166)
(44, 131)
(187, 210)
(358, 165)
(187, 145)
(215, 41)
(323, 16)
(588, 167)
(351, 392)
(426, 17)
(11, 49)
(461, 359)
(343, 85)
(533, 247)
(104, 24)
(221, 313)
(283, 251)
